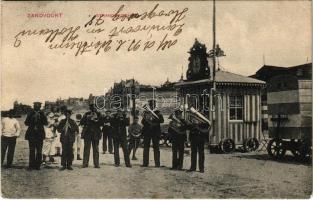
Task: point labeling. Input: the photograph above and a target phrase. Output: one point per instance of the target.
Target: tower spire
(182, 73)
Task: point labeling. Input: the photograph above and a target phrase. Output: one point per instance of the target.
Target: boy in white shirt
(10, 131)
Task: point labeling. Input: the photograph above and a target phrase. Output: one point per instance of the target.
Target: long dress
(47, 148)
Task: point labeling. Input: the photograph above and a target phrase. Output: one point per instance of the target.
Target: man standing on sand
(119, 123)
(35, 134)
(91, 134)
(151, 131)
(68, 129)
(199, 133)
(10, 131)
(177, 131)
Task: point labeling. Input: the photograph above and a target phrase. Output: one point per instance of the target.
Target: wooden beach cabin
(235, 107)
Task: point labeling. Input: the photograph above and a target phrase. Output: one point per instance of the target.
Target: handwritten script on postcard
(153, 30)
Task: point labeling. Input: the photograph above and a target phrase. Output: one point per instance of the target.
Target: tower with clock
(198, 67)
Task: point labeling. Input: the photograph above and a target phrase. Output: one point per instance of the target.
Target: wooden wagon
(289, 100)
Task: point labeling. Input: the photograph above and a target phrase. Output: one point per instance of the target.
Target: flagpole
(214, 44)
(214, 68)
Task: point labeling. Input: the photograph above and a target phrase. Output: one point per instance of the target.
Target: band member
(177, 131)
(198, 136)
(91, 134)
(119, 123)
(135, 131)
(78, 136)
(48, 141)
(35, 134)
(10, 131)
(68, 129)
(107, 133)
(151, 131)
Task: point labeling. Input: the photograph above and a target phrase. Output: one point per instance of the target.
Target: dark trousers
(67, 154)
(107, 138)
(7, 143)
(197, 148)
(156, 149)
(178, 147)
(133, 145)
(35, 153)
(95, 151)
(123, 143)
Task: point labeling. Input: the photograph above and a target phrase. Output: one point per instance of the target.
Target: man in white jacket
(10, 131)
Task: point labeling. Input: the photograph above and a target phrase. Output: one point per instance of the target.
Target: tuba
(176, 124)
(151, 111)
(198, 120)
(150, 115)
(200, 117)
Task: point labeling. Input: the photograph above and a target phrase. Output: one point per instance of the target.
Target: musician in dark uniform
(35, 134)
(199, 132)
(119, 122)
(68, 129)
(107, 140)
(91, 133)
(151, 131)
(177, 130)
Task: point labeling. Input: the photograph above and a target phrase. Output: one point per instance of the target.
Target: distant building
(121, 94)
(267, 71)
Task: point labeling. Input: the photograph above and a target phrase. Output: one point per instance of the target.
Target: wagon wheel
(297, 154)
(227, 145)
(251, 144)
(276, 149)
(301, 151)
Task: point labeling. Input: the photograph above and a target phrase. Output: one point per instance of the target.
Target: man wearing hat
(119, 123)
(68, 129)
(91, 122)
(35, 134)
(198, 135)
(151, 121)
(177, 130)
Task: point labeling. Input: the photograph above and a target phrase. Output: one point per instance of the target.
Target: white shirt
(10, 127)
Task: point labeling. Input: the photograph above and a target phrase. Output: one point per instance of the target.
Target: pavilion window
(236, 107)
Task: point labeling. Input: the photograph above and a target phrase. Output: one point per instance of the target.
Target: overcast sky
(246, 30)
